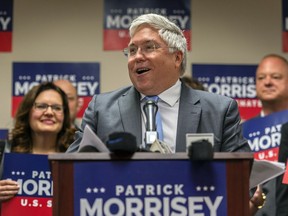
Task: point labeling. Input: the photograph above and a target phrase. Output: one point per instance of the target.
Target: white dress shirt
(168, 106)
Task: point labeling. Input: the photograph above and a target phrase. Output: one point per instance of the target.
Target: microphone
(200, 150)
(150, 109)
(122, 142)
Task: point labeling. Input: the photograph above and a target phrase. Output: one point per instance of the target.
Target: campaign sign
(264, 133)
(84, 76)
(32, 172)
(118, 16)
(150, 188)
(6, 25)
(3, 134)
(235, 81)
(285, 25)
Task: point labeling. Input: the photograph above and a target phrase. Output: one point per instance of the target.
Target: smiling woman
(42, 126)
(46, 109)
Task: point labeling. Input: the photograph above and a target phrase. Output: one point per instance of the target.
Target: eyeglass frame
(56, 108)
(146, 50)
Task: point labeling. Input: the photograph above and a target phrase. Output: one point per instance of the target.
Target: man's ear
(178, 57)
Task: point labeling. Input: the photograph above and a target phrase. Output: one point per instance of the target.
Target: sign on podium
(150, 184)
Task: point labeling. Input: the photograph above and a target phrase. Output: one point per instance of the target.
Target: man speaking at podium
(157, 54)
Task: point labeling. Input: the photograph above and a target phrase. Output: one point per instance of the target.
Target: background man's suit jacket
(282, 189)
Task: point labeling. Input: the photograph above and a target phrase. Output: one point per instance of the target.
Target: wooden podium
(237, 169)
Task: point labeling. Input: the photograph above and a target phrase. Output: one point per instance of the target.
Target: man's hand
(257, 201)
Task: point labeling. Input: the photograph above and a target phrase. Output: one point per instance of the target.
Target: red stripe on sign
(16, 100)
(5, 41)
(32, 206)
(270, 154)
(83, 101)
(116, 39)
(188, 36)
(285, 41)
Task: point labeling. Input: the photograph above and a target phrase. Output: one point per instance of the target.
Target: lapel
(188, 116)
(130, 113)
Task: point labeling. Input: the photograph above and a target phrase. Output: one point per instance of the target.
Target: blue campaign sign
(264, 133)
(150, 188)
(235, 81)
(32, 172)
(6, 15)
(84, 76)
(118, 16)
(6, 25)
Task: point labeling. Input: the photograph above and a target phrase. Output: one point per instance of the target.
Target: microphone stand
(150, 109)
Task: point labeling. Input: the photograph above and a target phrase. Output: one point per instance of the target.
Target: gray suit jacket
(199, 112)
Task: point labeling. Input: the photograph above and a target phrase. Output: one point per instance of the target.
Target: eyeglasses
(146, 48)
(42, 107)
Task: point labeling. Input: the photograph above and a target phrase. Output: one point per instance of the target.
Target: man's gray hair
(168, 31)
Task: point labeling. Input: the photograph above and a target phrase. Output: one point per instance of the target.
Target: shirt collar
(171, 95)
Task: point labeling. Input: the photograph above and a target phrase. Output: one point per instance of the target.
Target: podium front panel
(151, 187)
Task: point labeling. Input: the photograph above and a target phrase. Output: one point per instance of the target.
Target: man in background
(282, 189)
(74, 101)
(272, 91)
(193, 83)
(272, 84)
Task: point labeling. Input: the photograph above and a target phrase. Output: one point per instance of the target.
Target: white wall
(224, 31)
